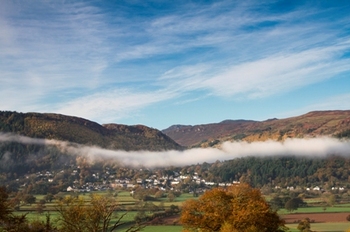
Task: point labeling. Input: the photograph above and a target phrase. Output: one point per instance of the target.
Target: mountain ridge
(83, 131)
(312, 124)
(140, 137)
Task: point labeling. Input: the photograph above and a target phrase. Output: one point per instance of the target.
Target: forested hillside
(280, 171)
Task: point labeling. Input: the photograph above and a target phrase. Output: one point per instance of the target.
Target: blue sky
(160, 63)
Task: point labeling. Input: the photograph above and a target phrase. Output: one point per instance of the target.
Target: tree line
(236, 208)
(99, 214)
(279, 171)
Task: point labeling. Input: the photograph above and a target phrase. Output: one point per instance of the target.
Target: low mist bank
(311, 147)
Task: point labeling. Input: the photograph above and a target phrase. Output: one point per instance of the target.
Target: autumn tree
(19, 223)
(237, 208)
(40, 207)
(29, 199)
(348, 218)
(49, 197)
(5, 209)
(75, 215)
(142, 194)
(304, 225)
(171, 196)
(8, 221)
(294, 204)
(330, 199)
(72, 215)
(276, 203)
(159, 194)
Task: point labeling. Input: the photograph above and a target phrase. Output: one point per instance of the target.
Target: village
(177, 182)
(74, 179)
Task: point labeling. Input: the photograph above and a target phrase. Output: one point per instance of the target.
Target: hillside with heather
(34, 142)
(83, 131)
(313, 124)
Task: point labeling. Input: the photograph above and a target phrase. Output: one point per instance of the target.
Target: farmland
(322, 218)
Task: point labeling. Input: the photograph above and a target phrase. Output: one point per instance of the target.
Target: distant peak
(177, 126)
(227, 121)
(271, 119)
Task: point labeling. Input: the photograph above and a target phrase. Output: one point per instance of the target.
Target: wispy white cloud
(267, 61)
(278, 73)
(71, 52)
(110, 105)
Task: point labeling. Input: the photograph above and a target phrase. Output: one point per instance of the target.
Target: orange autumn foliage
(237, 208)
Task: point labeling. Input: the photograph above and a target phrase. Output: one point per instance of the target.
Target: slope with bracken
(313, 124)
(82, 131)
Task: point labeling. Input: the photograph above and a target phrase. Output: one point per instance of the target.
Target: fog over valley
(307, 147)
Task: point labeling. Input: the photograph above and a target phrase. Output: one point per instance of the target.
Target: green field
(324, 227)
(162, 229)
(185, 196)
(319, 227)
(127, 202)
(334, 209)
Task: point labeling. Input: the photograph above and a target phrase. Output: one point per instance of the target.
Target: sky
(160, 63)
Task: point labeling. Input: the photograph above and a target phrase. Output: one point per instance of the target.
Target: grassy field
(317, 227)
(128, 202)
(33, 216)
(185, 196)
(162, 229)
(334, 209)
(324, 227)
